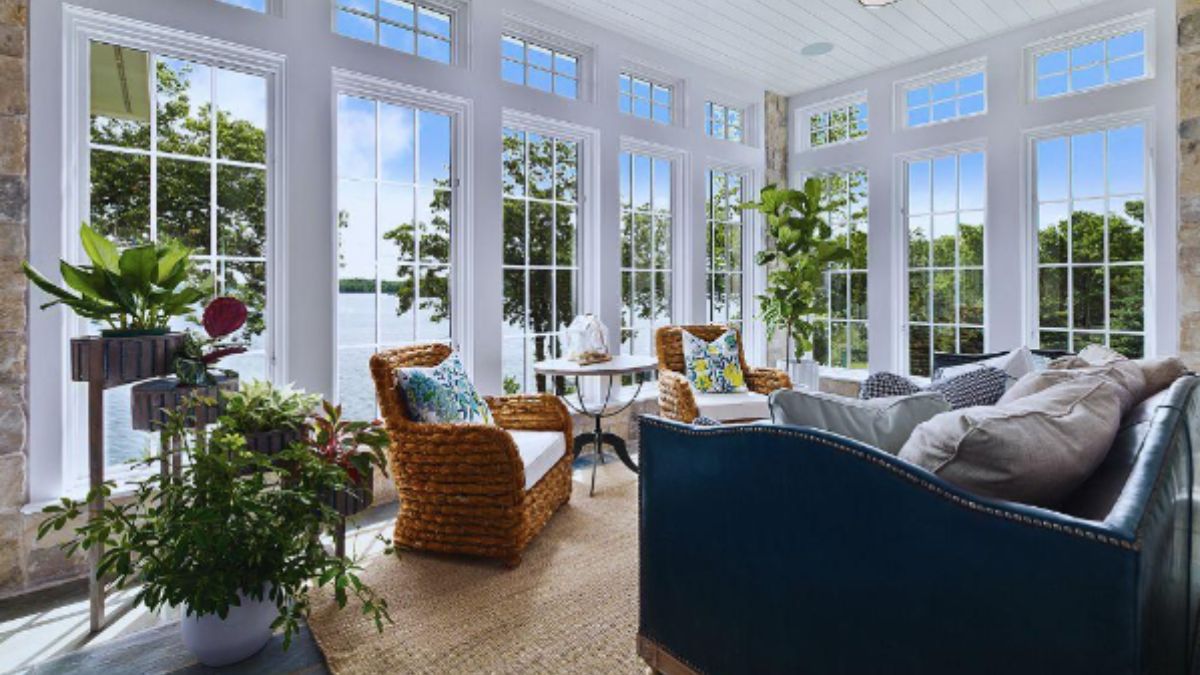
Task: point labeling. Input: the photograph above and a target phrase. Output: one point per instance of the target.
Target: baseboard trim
(661, 660)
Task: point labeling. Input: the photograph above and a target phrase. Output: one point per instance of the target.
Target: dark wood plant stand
(348, 503)
(154, 399)
(104, 363)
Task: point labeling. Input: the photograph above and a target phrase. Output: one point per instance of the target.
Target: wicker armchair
(676, 400)
(462, 486)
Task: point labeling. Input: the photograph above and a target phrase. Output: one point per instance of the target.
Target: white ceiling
(760, 40)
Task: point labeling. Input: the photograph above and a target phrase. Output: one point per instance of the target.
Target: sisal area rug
(571, 607)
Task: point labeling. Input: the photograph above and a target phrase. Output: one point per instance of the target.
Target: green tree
(121, 199)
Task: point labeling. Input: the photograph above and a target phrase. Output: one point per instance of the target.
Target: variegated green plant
(135, 290)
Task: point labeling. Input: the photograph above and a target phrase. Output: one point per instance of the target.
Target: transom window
(541, 259)
(539, 67)
(841, 341)
(1091, 217)
(946, 209)
(724, 237)
(838, 125)
(646, 228)
(1092, 64)
(642, 98)
(178, 148)
(724, 122)
(394, 236)
(409, 27)
(253, 5)
(945, 100)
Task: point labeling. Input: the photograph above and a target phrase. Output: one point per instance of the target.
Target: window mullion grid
(1070, 242)
(1105, 223)
(153, 148)
(526, 327)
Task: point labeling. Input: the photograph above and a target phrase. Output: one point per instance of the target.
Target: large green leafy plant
(131, 291)
(799, 253)
(233, 523)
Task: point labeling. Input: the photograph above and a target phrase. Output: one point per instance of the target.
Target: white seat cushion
(540, 451)
(744, 405)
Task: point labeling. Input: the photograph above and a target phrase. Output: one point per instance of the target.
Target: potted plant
(233, 540)
(799, 253)
(355, 447)
(133, 293)
(269, 417)
(196, 357)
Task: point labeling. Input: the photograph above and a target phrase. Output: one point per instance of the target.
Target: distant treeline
(367, 286)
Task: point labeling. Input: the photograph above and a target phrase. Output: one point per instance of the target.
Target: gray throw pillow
(1036, 449)
(881, 422)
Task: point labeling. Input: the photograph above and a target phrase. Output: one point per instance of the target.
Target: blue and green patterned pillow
(714, 367)
(442, 394)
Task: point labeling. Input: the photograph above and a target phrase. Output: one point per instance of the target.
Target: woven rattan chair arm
(532, 412)
(455, 453)
(767, 380)
(675, 398)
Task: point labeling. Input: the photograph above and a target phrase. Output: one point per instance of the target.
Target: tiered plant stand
(153, 400)
(104, 363)
(348, 503)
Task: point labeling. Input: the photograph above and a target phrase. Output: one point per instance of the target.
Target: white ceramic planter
(219, 642)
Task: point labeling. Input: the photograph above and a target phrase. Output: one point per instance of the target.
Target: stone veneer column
(14, 224)
(775, 135)
(1188, 73)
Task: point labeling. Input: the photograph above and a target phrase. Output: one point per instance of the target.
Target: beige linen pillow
(1037, 449)
(1127, 374)
(1161, 372)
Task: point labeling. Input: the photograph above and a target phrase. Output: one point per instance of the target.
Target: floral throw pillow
(714, 367)
(442, 394)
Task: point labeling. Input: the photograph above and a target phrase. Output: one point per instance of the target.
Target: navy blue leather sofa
(789, 550)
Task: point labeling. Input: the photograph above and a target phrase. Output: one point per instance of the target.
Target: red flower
(223, 316)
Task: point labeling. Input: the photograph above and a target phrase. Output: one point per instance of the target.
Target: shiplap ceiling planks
(760, 40)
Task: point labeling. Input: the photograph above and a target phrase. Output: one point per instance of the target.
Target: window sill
(78, 490)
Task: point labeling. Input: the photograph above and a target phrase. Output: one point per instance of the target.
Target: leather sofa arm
(675, 398)
(767, 380)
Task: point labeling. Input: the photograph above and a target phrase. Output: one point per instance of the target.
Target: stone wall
(14, 227)
(776, 146)
(1188, 63)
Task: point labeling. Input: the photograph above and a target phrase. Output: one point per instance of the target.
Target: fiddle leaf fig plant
(799, 253)
(132, 291)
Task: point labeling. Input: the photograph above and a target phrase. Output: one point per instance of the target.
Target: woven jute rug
(571, 607)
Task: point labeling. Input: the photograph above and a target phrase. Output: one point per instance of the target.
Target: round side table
(619, 366)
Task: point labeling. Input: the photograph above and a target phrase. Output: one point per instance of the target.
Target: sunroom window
(841, 340)
(1090, 197)
(409, 27)
(946, 99)
(395, 229)
(645, 99)
(946, 206)
(178, 148)
(724, 122)
(539, 67)
(725, 239)
(1092, 64)
(646, 224)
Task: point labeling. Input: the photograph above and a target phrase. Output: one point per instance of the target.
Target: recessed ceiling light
(875, 3)
(816, 48)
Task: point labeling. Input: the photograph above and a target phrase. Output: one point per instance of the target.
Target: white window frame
(81, 28)
(535, 33)
(682, 263)
(954, 72)
(587, 229)
(803, 120)
(1145, 117)
(460, 111)
(710, 107)
(457, 10)
(900, 242)
(747, 266)
(1142, 21)
(655, 77)
(828, 318)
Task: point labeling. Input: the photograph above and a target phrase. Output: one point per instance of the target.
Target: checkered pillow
(983, 386)
(702, 421)
(884, 385)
